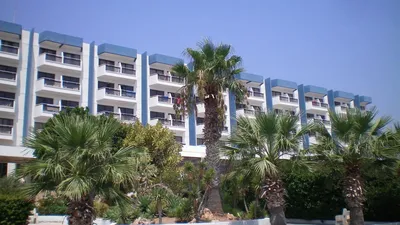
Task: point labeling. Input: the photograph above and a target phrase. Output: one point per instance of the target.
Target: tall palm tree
(257, 149)
(214, 70)
(78, 162)
(357, 139)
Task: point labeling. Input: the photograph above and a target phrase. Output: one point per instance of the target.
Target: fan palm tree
(257, 149)
(214, 70)
(78, 162)
(357, 139)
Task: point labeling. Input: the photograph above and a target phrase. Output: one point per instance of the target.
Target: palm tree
(214, 70)
(357, 139)
(78, 162)
(257, 149)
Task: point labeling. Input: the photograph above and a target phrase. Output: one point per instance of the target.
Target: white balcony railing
(6, 129)
(7, 75)
(318, 104)
(60, 84)
(171, 123)
(119, 93)
(172, 79)
(288, 99)
(318, 120)
(119, 70)
(124, 117)
(255, 94)
(61, 59)
(7, 102)
(9, 49)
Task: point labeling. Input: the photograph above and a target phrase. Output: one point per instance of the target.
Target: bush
(14, 210)
(185, 213)
(121, 215)
(100, 208)
(256, 211)
(50, 205)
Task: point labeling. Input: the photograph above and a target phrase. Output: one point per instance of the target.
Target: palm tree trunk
(81, 212)
(353, 192)
(274, 195)
(212, 134)
(159, 207)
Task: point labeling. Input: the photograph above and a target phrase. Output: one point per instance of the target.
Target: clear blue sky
(348, 45)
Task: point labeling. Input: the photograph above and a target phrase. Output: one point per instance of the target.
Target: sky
(346, 45)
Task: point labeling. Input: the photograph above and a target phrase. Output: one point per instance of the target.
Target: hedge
(14, 210)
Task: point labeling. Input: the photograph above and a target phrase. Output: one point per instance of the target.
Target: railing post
(62, 81)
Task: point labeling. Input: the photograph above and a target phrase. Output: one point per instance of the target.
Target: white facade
(40, 74)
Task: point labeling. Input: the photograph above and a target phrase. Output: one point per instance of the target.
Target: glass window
(258, 90)
(4, 94)
(200, 141)
(43, 100)
(105, 108)
(200, 120)
(154, 115)
(9, 43)
(46, 75)
(8, 68)
(126, 88)
(71, 55)
(126, 111)
(156, 92)
(276, 93)
(178, 139)
(8, 122)
(46, 50)
(156, 71)
(310, 115)
(102, 84)
(39, 126)
(71, 79)
(127, 66)
(308, 99)
(106, 62)
(337, 103)
(71, 104)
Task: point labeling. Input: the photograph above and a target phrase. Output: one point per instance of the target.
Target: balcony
(160, 81)
(285, 102)
(8, 78)
(116, 73)
(6, 132)
(162, 103)
(43, 112)
(56, 63)
(316, 107)
(200, 108)
(110, 96)
(248, 112)
(123, 117)
(48, 86)
(255, 97)
(318, 120)
(7, 105)
(175, 125)
(9, 53)
(341, 109)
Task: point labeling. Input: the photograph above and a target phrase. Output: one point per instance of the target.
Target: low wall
(237, 222)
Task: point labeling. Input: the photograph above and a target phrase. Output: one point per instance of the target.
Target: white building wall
(84, 79)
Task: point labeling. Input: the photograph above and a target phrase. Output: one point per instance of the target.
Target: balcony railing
(123, 70)
(255, 94)
(129, 94)
(319, 104)
(123, 93)
(172, 79)
(225, 129)
(7, 75)
(61, 84)
(51, 108)
(60, 59)
(178, 123)
(173, 123)
(6, 129)
(288, 99)
(165, 99)
(7, 102)
(107, 113)
(318, 120)
(128, 117)
(9, 49)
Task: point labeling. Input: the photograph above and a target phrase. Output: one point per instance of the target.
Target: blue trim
(342, 94)
(283, 83)
(268, 94)
(164, 59)
(357, 101)
(365, 99)
(91, 78)
(250, 77)
(232, 111)
(116, 50)
(315, 90)
(11, 28)
(61, 39)
(331, 100)
(28, 93)
(303, 114)
(145, 107)
(192, 119)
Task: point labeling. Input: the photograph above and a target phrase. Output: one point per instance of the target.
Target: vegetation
(77, 161)
(256, 151)
(213, 72)
(50, 205)
(358, 139)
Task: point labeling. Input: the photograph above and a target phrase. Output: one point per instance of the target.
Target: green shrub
(50, 205)
(174, 203)
(185, 213)
(14, 210)
(100, 208)
(121, 215)
(256, 211)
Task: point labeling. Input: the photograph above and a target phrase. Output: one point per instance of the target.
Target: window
(4, 94)
(9, 43)
(178, 139)
(102, 84)
(105, 108)
(156, 92)
(200, 120)
(71, 79)
(290, 95)
(156, 71)
(45, 75)
(257, 108)
(276, 93)
(39, 126)
(154, 115)
(43, 100)
(126, 111)
(8, 122)
(71, 55)
(8, 68)
(200, 141)
(126, 88)
(70, 104)
(106, 62)
(49, 51)
(337, 103)
(308, 99)
(3, 169)
(127, 66)
(310, 116)
(258, 90)
(175, 117)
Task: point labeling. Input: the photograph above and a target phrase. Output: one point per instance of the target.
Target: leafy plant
(14, 210)
(100, 208)
(122, 215)
(50, 205)
(185, 213)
